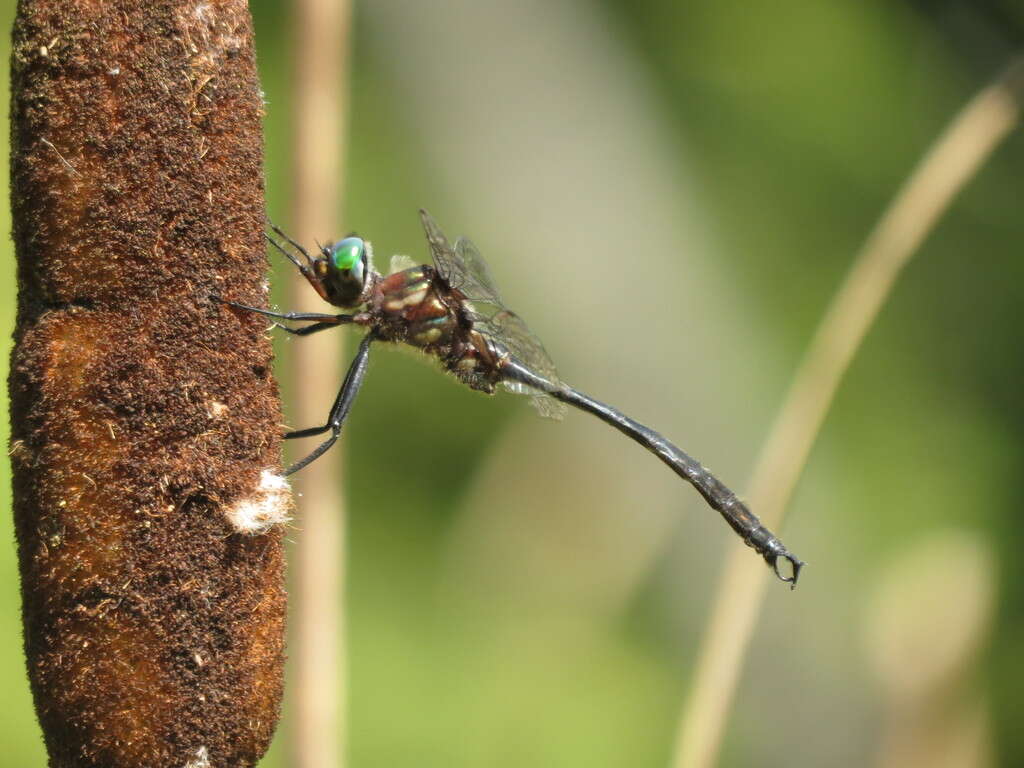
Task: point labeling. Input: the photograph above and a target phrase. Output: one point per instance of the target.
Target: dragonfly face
(343, 270)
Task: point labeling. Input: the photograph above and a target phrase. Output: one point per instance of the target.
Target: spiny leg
(317, 317)
(339, 411)
(311, 431)
(314, 328)
(303, 268)
(308, 269)
(281, 233)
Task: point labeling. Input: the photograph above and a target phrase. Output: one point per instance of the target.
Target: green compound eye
(348, 253)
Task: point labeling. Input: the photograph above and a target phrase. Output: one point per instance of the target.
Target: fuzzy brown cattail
(144, 415)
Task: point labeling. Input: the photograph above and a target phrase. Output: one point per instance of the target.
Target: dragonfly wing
(440, 249)
(509, 330)
(462, 266)
(466, 271)
(546, 405)
(474, 277)
(400, 263)
(549, 408)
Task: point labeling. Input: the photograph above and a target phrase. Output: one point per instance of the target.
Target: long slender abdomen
(715, 492)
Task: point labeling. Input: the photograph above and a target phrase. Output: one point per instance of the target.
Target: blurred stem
(320, 86)
(950, 163)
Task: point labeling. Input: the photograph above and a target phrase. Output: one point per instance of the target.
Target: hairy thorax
(417, 307)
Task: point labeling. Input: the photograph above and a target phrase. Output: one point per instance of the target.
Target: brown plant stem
(143, 412)
(951, 162)
(318, 627)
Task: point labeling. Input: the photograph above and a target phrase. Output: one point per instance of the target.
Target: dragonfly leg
(280, 232)
(303, 268)
(314, 328)
(317, 317)
(307, 268)
(339, 411)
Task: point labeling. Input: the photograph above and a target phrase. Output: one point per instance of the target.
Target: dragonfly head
(344, 270)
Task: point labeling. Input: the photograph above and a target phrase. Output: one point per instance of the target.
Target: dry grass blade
(318, 676)
(951, 162)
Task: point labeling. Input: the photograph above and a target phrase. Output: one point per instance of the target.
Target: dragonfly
(452, 311)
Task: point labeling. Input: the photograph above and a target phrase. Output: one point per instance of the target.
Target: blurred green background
(669, 192)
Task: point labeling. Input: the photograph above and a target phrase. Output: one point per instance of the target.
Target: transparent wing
(546, 405)
(472, 275)
(440, 249)
(508, 329)
(462, 267)
(465, 270)
(400, 263)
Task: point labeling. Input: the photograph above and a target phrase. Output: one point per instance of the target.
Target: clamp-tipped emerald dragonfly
(452, 311)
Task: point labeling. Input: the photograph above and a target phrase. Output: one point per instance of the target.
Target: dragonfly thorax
(417, 307)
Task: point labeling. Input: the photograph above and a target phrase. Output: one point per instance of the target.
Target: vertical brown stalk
(144, 415)
(320, 88)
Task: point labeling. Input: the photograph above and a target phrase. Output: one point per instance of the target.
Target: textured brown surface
(140, 408)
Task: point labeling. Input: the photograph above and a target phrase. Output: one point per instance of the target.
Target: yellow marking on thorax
(435, 308)
(429, 336)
